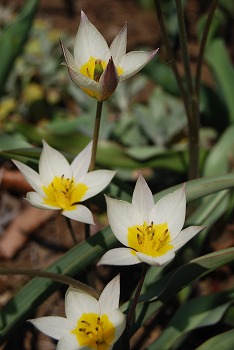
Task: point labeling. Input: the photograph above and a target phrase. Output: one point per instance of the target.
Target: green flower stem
(193, 109)
(131, 312)
(203, 45)
(169, 52)
(52, 276)
(96, 134)
(194, 124)
(70, 228)
(189, 98)
(94, 150)
(184, 46)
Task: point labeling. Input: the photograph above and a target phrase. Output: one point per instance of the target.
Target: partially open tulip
(97, 68)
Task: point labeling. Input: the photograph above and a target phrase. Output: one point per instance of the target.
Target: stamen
(141, 231)
(88, 74)
(139, 240)
(163, 236)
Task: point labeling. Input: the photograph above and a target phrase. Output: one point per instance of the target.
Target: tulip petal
(119, 256)
(53, 326)
(185, 236)
(30, 175)
(121, 216)
(171, 210)
(134, 61)
(89, 43)
(70, 60)
(109, 299)
(81, 162)
(81, 213)
(85, 83)
(77, 303)
(142, 198)
(118, 319)
(96, 181)
(108, 81)
(90, 86)
(119, 44)
(79, 79)
(69, 342)
(36, 200)
(157, 261)
(52, 163)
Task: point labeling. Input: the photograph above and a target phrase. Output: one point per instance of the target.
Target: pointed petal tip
(201, 228)
(60, 42)
(15, 162)
(62, 47)
(154, 52)
(44, 143)
(125, 27)
(82, 13)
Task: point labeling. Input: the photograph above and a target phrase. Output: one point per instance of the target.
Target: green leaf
(162, 74)
(229, 317)
(12, 141)
(109, 154)
(207, 213)
(218, 59)
(217, 161)
(223, 341)
(170, 284)
(199, 188)
(13, 39)
(198, 312)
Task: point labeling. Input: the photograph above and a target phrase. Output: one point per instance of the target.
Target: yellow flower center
(93, 69)
(153, 240)
(64, 193)
(94, 331)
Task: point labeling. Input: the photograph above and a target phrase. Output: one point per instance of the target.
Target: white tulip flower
(150, 232)
(62, 186)
(90, 324)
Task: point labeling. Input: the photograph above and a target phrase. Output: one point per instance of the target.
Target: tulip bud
(109, 80)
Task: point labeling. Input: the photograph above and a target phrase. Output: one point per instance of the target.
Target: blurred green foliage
(13, 38)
